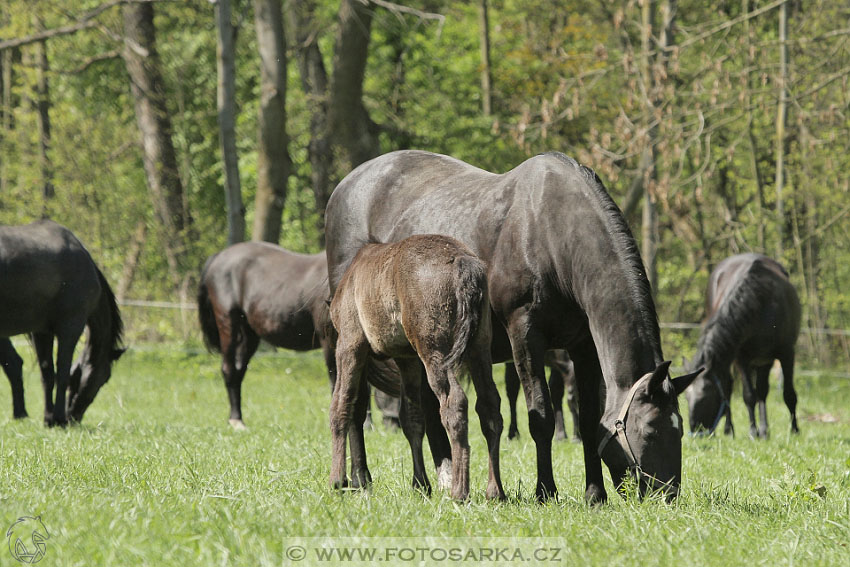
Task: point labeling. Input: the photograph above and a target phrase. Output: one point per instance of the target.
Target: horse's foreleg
(762, 387)
(789, 394)
(412, 419)
(65, 345)
(512, 391)
(13, 366)
(350, 360)
(490, 417)
(749, 392)
(528, 354)
(43, 344)
(588, 378)
(572, 403)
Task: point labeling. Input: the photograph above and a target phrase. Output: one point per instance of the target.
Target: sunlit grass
(155, 476)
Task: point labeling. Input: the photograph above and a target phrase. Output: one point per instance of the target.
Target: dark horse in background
(51, 288)
(562, 381)
(753, 318)
(257, 290)
(563, 272)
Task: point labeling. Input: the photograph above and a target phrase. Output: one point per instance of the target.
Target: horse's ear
(682, 382)
(658, 376)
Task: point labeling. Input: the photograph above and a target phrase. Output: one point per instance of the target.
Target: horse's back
(281, 293)
(46, 275)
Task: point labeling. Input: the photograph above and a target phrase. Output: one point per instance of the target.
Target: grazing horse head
(708, 399)
(643, 439)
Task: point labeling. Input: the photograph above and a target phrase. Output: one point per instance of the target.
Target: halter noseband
(619, 430)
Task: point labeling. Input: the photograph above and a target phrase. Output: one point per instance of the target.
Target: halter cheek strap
(619, 431)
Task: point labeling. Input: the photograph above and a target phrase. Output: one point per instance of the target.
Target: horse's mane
(726, 327)
(625, 246)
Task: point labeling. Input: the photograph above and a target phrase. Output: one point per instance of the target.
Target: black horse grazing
(562, 380)
(256, 290)
(51, 288)
(563, 272)
(425, 297)
(753, 318)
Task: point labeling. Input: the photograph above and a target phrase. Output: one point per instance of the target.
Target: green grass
(155, 476)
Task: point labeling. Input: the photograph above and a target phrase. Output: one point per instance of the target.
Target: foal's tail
(206, 316)
(470, 281)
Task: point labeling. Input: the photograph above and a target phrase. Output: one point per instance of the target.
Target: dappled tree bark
(152, 116)
(226, 97)
(314, 82)
(43, 105)
(273, 162)
(351, 127)
(484, 43)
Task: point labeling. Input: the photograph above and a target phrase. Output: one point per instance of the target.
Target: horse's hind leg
(438, 441)
(13, 366)
(453, 414)
(412, 418)
(789, 394)
(490, 416)
(66, 341)
(588, 379)
(556, 390)
(238, 345)
(512, 390)
(749, 391)
(360, 476)
(351, 356)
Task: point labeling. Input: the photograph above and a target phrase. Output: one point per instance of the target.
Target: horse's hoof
(546, 492)
(339, 484)
(444, 475)
(513, 433)
(20, 415)
(595, 495)
(422, 485)
(560, 435)
(238, 425)
(361, 479)
(495, 493)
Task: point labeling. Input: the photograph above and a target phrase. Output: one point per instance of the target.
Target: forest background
(160, 131)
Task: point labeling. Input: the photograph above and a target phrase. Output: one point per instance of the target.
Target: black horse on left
(51, 288)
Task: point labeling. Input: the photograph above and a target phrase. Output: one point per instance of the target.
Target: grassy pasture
(155, 476)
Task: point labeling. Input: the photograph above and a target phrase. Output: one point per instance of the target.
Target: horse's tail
(206, 316)
(470, 281)
(106, 328)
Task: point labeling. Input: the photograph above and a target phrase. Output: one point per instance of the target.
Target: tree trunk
(781, 121)
(43, 106)
(314, 82)
(154, 121)
(226, 66)
(351, 128)
(273, 163)
(649, 230)
(484, 34)
(131, 261)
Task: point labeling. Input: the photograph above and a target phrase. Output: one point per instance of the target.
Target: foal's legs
(789, 394)
(454, 416)
(351, 356)
(238, 345)
(412, 418)
(512, 390)
(438, 441)
(360, 476)
(490, 416)
(13, 366)
(43, 343)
